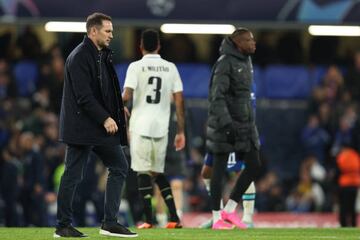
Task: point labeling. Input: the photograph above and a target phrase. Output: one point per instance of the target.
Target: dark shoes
(116, 230)
(68, 231)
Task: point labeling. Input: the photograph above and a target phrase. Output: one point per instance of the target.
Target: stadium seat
(26, 75)
(286, 82)
(259, 81)
(196, 79)
(316, 74)
(121, 72)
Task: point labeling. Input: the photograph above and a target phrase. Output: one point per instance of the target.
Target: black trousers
(252, 168)
(76, 158)
(347, 203)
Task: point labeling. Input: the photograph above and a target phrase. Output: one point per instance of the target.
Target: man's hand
(110, 126)
(179, 141)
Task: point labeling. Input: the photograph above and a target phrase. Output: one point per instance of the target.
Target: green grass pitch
(197, 234)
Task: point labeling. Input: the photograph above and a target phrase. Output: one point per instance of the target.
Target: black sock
(166, 193)
(146, 191)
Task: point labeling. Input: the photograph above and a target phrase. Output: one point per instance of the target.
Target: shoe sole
(224, 228)
(58, 236)
(107, 233)
(207, 225)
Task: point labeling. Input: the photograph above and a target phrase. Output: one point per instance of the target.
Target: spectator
(9, 186)
(308, 195)
(352, 78)
(348, 163)
(33, 182)
(315, 139)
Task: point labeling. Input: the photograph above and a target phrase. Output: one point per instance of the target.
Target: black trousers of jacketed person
(252, 168)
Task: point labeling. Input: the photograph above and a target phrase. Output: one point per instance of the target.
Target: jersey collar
(151, 55)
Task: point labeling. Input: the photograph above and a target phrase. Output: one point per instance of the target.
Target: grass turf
(197, 234)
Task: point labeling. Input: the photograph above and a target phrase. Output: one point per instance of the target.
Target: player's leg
(177, 187)
(161, 215)
(141, 149)
(206, 171)
(248, 199)
(168, 197)
(248, 175)
(219, 168)
(159, 146)
(146, 191)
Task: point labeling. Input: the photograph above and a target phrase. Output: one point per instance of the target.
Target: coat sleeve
(219, 89)
(79, 71)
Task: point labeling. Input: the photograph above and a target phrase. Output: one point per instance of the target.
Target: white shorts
(147, 154)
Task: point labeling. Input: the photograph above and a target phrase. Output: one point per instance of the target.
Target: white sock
(230, 206)
(249, 203)
(216, 216)
(161, 219)
(207, 184)
(179, 213)
(222, 204)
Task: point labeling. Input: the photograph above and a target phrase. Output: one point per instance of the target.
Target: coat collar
(89, 43)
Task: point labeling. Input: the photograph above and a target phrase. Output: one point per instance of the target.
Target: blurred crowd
(31, 160)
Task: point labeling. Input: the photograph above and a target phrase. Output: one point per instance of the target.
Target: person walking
(231, 124)
(92, 119)
(151, 82)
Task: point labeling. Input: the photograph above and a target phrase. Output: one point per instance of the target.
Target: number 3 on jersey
(156, 83)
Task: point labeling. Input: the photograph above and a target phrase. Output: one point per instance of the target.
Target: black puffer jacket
(231, 123)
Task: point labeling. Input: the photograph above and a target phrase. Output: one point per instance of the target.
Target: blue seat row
(274, 81)
(287, 81)
(26, 74)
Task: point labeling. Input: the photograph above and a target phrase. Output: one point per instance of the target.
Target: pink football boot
(233, 218)
(222, 225)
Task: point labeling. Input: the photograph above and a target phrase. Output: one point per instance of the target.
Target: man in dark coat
(231, 123)
(92, 119)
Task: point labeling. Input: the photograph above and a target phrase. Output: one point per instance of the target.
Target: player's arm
(127, 97)
(179, 142)
(130, 84)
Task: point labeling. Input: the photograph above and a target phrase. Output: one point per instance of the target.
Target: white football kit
(153, 81)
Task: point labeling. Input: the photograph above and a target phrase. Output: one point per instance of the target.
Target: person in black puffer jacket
(231, 122)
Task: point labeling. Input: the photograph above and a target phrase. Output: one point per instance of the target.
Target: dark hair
(239, 31)
(150, 39)
(96, 20)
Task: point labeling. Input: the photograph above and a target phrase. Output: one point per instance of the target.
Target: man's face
(246, 43)
(104, 34)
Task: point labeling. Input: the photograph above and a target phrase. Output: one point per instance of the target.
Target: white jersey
(153, 80)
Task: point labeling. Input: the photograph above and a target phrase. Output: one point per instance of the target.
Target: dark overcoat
(84, 107)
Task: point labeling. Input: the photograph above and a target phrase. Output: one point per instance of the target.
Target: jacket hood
(228, 48)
